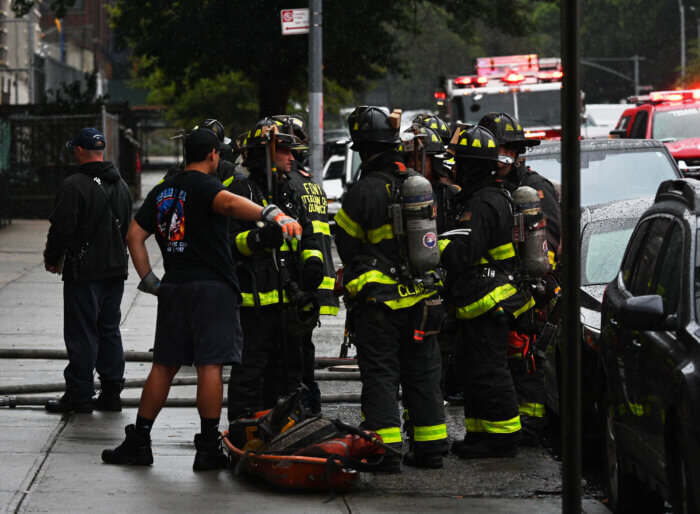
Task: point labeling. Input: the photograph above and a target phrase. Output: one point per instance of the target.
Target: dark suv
(650, 346)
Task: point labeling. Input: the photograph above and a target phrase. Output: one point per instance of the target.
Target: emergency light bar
(674, 96)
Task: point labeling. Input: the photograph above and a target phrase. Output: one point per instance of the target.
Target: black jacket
(85, 229)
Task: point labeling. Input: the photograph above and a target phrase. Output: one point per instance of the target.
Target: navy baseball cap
(201, 139)
(88, 138)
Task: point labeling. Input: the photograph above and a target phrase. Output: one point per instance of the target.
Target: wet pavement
(52, 463)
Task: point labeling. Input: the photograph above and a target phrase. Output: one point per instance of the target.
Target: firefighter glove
(312, 275)
(150, 284)
(269, 236)
(290, 227)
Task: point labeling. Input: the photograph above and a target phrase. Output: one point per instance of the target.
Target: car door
(639, 280)
(660, 352)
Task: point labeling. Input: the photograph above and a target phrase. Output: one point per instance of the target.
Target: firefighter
(526, 365)
(275, 276)
(390, 310)
(226, 165)
(440, 126)
(313, 198)
(481, 289)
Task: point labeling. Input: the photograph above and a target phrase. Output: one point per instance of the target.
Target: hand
(150, 284)
(312, 275)
(290, 228)
(51, 269)
(269, 236)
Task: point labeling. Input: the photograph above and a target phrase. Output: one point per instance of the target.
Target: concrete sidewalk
(52, 463)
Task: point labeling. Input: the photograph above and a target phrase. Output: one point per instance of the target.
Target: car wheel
(682, 499)
(625, 492)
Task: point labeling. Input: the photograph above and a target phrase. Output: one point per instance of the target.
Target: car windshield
(608, 176)
(535, 108)
(677, 124)
(602, 247)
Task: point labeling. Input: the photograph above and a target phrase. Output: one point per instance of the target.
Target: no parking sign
(295, 21)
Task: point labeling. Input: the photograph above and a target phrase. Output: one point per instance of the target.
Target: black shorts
(198, 323)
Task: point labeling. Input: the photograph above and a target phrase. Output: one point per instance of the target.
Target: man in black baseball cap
(88, 138)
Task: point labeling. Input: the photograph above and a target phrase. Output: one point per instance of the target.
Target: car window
(602, 172)
(602, 245)
(676, 124)
(644, 271)
(622, 124)
(669, 282)
(632, 250)
(639, 126)
(335, 170)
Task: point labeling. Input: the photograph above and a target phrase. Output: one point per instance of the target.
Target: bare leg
(210, 390)
(156, 390)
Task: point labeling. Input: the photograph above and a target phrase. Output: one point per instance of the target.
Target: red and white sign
(295, 21)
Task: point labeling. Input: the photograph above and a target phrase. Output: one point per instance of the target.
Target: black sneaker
(136, 449)
(107, 401)
(210, 454)
(64, 405)
(423, 460)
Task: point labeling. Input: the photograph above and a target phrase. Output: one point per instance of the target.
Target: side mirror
(618, 134)
(646, 313)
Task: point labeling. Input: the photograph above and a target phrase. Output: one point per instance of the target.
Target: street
(52, 463)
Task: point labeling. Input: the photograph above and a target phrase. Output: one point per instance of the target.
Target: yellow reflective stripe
(328, 283)
(389, 435)
(402, 303)
(431, 433)
(535, 410)
(377, 235)
(242, 243)
(348, 225)
(328, 310)
(530, 304)
(442, 244)
(285, 246)
(492, 427)
(486, 303)
(636, 409)
(355, 286)
(228, 181)
(307, 254)
(500, 253)
(267, 298)
(321, 227)
(551, 257)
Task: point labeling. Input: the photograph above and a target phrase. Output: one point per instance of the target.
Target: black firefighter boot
(490, 446)
(136, 449)
(423, 460)
(210, 454)
(391, 462)
(109, 399)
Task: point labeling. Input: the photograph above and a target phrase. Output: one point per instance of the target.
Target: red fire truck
(670, 116)
(526, 86)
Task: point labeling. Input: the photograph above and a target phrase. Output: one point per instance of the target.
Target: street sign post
(295, 21)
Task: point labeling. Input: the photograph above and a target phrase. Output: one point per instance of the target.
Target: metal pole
(30, 52)
(681, 10)
(316, 88)
(571, 260)
(636, 75)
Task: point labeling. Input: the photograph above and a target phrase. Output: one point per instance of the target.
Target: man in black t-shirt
(199, 296)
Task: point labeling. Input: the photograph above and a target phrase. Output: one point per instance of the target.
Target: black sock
(210, 428)
(144, 424)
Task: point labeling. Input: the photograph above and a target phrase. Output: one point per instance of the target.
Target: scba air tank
(420, 225)
(530, 232)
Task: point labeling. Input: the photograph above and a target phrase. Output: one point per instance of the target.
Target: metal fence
(36, 160)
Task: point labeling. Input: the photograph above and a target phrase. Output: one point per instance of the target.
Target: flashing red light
(514, 78)
(463, 81)
(482, 81)
(544, 75)
(674, 96)
(440, 95)
(557, 74)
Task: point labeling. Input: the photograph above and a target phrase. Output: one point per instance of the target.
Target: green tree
(208, 37)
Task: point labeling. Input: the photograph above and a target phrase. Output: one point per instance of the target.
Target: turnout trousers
(388, 355)
(91, 317)
(271, 364)
(490, 401)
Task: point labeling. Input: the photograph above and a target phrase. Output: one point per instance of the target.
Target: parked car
(341, 170)
(605, 230)
(600, 119)
(650, 348)
(611, 169)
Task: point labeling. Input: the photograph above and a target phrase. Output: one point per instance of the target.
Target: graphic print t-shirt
(192, 237)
